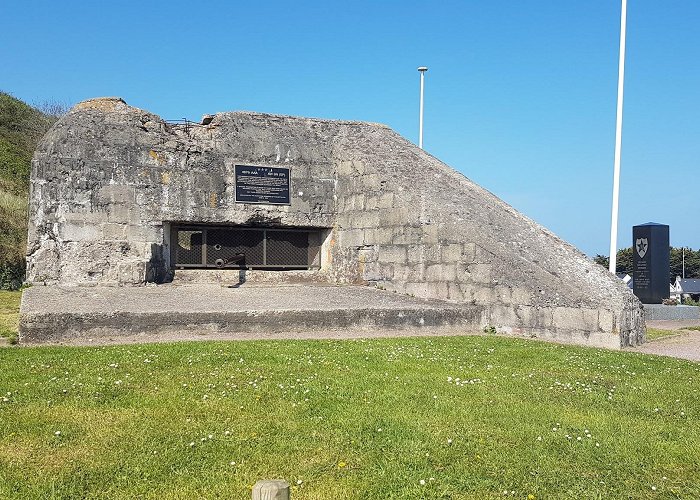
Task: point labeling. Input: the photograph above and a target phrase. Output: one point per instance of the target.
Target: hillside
(21, 127)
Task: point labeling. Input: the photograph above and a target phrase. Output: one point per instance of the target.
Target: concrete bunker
(115, 188)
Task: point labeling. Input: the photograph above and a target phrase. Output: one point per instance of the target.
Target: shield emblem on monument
(642, 244)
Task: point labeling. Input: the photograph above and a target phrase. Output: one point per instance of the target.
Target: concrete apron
(101, 314)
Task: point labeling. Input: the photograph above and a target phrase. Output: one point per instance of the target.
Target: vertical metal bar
(264, 247)
(173, 248)
(204, 247)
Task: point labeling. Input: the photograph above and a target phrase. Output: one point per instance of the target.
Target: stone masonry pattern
(108, 179)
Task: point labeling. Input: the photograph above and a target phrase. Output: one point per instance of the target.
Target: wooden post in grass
(271, 489)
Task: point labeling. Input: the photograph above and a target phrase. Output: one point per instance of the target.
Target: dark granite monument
(651, 254)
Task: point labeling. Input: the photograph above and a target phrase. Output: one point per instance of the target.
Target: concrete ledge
(58, 314)
(656, 312)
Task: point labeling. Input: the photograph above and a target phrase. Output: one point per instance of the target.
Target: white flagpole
(618, 139)
(422, 71)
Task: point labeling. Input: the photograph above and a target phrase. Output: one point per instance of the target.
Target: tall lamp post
(618, 139)
(422, 70)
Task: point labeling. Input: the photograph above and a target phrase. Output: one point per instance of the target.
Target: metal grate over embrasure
(246, 248)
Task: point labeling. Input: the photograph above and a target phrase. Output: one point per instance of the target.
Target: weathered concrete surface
(109, 179)
(55, 314)
(660, 312)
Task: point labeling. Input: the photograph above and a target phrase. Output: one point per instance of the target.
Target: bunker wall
(109, 179)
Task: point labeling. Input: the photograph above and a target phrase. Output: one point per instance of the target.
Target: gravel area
(685, 345)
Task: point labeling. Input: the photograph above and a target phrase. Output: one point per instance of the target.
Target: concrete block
(606, 320)
(395, 217)
(527, 316)
(131, 272)
(452, 252)
(406, 235)
(79, 232)
(427, 254)
(438, 290)
(352, 237)
(371, 202)
(589, 319)
(386, 200)
(120, 213)
(370, 182)
(521, 295)
(417, 289)
(415, 272)
(115, 194)
(382, 236)
(440, 272)
(393, 254)
(113, 231)
(431, 234)
(454, 292)
(503, 294)
(275, 489)
(544, 317)
(371, 271)
(365, 219)
(356, 202)
(345, 168)
(94, 217)
(483, 295)
(468, 291)
(478, 273)
(468, 252)
(568, 318)
(504, 316)
(145, 233)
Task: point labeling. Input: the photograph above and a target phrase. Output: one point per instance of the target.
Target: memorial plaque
(255, 184)
(651, 257)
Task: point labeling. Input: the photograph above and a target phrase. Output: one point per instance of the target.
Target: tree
(603, 260)
(52, 108)
(692, 263)
(625, 262)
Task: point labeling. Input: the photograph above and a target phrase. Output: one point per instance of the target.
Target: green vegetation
(657, 333)
(21, 128)
(457, 417)
(697, 328)
(9, 315)
(624, 262)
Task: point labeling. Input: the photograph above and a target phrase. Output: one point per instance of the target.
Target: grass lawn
(9, 314)
(456, 417)
(658, 333)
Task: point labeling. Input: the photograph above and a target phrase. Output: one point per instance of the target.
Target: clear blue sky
(520, 95)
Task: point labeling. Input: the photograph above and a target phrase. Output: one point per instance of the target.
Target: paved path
(685, 345)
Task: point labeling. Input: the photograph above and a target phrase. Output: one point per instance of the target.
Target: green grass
(690, 328)
(9, 314)
(349, 419)
(658, 333)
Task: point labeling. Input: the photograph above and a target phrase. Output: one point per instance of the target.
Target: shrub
(12, 275)
(690, 302)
